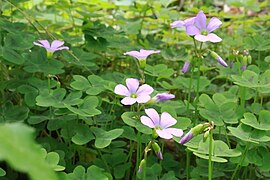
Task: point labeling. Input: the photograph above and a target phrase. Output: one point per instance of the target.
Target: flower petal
(213, 38)
(189, 21)
(222, 62)
(201, 38)
(154, 116)
(145, 89)
(128, 101)
(200, 21)
(121, 90)
(44, 43)
(167, 120)
(192, 30)
(177, 24)
(176, 132)
(61, 48)
(56, 44)
(147, 121)
(143, 98)
(164, 133)
(213, 24)
(132, 84)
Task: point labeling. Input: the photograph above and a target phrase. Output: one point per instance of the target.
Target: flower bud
(249, 59)
(163, 97)
(185, 67)
(205, 136)
(157, 150)
(142, 166)
(186, 138)
(219, 59)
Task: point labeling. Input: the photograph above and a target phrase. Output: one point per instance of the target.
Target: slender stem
(197, 92)
(241, 161)
(189, 88)
(242, 96)
(187, 164)
(148, 148)
(210, 170)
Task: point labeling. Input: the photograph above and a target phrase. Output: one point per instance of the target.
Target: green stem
(241, 161)
(187, 164)
(242, 96)
(197, 92)
(210, 169)
(148, 148)
(189, 88)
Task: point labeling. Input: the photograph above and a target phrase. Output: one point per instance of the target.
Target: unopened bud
(157, 150)
(219, 59)
(205, 136)
(249, 59)
(185, 67)
(142, 166)
(186, 138)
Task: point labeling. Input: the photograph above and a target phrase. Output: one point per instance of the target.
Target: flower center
(204, 32)
(133, 95)
(158, 128)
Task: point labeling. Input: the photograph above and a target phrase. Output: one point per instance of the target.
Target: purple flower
(133, 92)
(159, 155)
(163, 97)
(244, 67)
(203, 31)
(142, 54)
(187, 137)
(55, 46)
(185, 23)
(186, 67)
(161, 124)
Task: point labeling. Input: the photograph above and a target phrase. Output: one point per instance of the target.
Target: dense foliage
(88, 104)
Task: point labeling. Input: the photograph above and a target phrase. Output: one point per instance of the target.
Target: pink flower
(133, 92)
(55, 46)
(202, 31)
(161, 124)
(142, 54)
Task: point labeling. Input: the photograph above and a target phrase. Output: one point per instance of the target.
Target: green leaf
(13, 113)
(20, 41)
(12, 56)
(2, 172)
(220, 110)
(22, 153)
(30, 94)
(262, 123)
(104, 138)
(52, 159)
(159, 71)
(246, 133)
(87, 109)
(219, 149)
(83, 135)
(54, 98)
(130, 119)
(37, 62)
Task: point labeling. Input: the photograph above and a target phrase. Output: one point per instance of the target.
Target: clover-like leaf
(87, 108)
(132, 119)
(22, 153)
(104, 138)
(220, 110)
(159, 71)
(93, 85)
(83, 135)
(219, 149)
(262, 123)
(246, 133)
